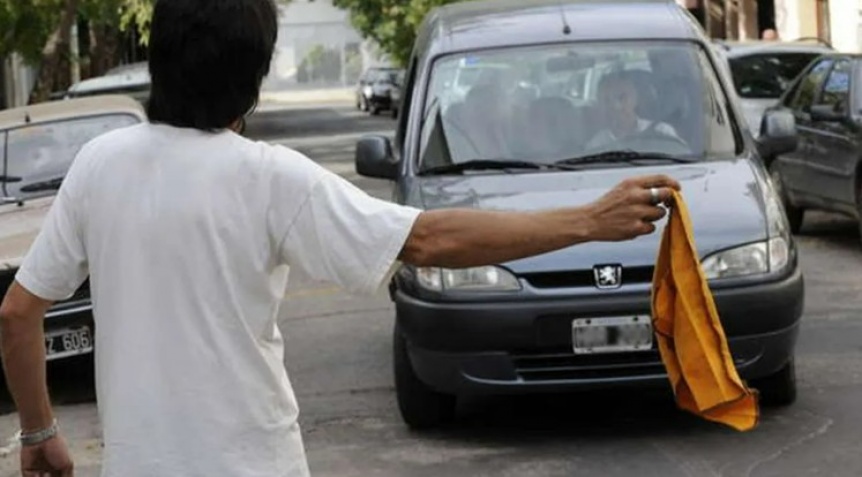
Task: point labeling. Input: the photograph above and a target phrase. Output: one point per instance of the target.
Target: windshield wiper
(10, 178)
(486, 164)
(51, 184)
(623, 156)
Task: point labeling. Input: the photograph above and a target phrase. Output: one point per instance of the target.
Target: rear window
(767, 75)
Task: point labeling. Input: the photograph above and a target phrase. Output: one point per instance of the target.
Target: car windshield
(37, 156)
(767, 75)
(557, 102)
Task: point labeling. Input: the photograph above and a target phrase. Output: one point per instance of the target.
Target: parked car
(763, 70)
(39, 144)
(395, 93)
(132, 80)
(373, 90)
(824, 170)
(517, 327)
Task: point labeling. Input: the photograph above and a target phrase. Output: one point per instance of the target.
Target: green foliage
(25, 26)
(136, 14)
(392, 24)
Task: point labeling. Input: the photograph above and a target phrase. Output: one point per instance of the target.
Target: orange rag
(690, 337)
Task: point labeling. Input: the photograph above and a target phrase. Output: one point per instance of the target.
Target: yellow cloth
(690, 337)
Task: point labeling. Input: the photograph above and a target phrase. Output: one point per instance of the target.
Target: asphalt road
(338, 356)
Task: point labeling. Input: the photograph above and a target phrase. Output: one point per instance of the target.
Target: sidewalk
(80, 427)
(301, 98)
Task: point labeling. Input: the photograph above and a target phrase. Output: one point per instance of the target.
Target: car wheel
(421, 407)
(394, 113)
(795, 215)
(778, 389)
(375, 110)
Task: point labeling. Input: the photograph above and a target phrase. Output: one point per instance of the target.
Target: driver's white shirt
(606, 136)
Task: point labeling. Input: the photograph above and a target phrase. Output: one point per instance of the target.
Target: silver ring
(654, 194)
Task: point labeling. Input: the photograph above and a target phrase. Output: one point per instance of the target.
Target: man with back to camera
(182, 226)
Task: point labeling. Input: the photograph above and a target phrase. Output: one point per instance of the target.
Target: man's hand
(628, 211)
(47, 459)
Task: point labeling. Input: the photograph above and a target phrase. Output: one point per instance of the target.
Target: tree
(392, 24)
(40, 30)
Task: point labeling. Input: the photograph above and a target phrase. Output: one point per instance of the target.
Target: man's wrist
(32, 438)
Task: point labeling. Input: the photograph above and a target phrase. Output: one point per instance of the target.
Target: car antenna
(567, 30)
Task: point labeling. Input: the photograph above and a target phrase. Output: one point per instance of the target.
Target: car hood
(725, 201)
(19, 226)
(753, 110)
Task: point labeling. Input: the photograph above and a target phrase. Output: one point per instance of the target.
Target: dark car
(373, 90)
(39, 143)
(763, 70)
(396, 92)
(824, 171)
(537, 133)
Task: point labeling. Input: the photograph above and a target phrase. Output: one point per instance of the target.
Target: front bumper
(525, 346)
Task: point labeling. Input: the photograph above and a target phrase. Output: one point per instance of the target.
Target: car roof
(735, 49)
(70, 108)
(130, 77)
(482, 24)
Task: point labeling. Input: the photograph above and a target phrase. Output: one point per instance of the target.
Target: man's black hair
(208, 59)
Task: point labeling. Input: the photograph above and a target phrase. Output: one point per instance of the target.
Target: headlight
(753, 259)
(770, 256)
(477, 279)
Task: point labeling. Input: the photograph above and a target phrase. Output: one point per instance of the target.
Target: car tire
(375, 110)
(421, 407)
(394, 113)
(795, 215)
(778, 389)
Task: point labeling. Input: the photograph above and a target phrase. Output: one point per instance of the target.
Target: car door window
(836, 89)
(806, 90)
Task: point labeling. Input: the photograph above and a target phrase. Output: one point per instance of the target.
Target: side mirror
(826, 112)
(777, 133)
(374, 158)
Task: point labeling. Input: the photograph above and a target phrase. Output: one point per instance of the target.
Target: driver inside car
(618, 100)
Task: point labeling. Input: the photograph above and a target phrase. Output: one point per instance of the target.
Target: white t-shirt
(187, 236)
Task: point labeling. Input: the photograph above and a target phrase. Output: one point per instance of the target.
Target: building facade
(838, 22)
(318, 48)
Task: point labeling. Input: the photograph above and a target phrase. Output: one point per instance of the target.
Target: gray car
(763, 70)
(585, 94)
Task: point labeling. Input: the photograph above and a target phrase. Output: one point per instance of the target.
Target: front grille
(559, 367)
(584, 278)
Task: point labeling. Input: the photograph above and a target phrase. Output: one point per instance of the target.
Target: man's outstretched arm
(465, 238)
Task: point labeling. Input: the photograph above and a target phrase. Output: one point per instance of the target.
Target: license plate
(612, 335)
(69, 342)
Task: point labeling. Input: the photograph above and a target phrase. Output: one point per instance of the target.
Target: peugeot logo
(608, 276)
